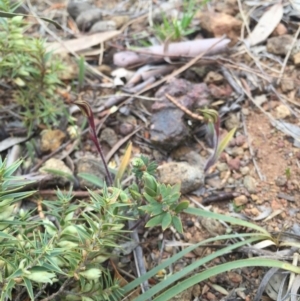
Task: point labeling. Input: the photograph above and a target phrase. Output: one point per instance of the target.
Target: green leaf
(177, 224)
(4, 235)
(166, 221)
(155, 221)
(40, 276)
(156, 209)
(149, 198)
(181, 206)
(176, 189)
(28, 285)
(229, 219)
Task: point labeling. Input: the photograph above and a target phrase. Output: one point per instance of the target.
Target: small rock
(90, 166)
(280, 45)
(279, 30)
(127, 124)
(240, 200)
(231, 181)
(237, 151)
(234, 164)
(228, 7)
(234, 277)
(260, 99)
(213, 77)
(224, 175)
(222, 166)
(214, 183)
(220, 91)
(296, 59)
(281, 181)
(103, 26)
(240, 140)
(126, 128)
(245, 170)
(87, 18)
(168, 129)
(213, 226)
(184, 153)
(196, 292)
(219, 24)
(189, 223)
(74, 8)
(245, 111)
(119, 20)
(232, 122)
(109, 136)
(51, 140)
(254, 211)
(287, 85)
(250, 184)
(282, 111)
(211, 297)
(190, 177)
(60, 166)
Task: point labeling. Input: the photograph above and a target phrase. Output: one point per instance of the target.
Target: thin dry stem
(184, 109)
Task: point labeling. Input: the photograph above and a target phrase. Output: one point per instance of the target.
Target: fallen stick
(158, 53)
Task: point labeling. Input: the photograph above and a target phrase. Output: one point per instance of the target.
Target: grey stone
(250, 184)
(167, 128)
(59, 166)
(90, 166)
(190, 177)
(109, 136)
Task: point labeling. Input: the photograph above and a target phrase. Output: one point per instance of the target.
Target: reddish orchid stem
(86, 109)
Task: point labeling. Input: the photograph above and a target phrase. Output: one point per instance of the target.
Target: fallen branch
(159, 53)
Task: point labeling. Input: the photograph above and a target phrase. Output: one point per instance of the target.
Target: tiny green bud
(150, 182)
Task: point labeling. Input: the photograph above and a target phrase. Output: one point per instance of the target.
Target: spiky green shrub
(31, 70)
(59, 253)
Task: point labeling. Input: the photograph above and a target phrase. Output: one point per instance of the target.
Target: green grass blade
(228, 219)
(255, 262)
(172, 279)
(130, 286)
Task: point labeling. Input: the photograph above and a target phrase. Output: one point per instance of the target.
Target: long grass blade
(228, 219)
(172, 279)
(176, 289)
(179, 255)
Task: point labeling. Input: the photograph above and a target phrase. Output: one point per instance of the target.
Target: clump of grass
(176, 28)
